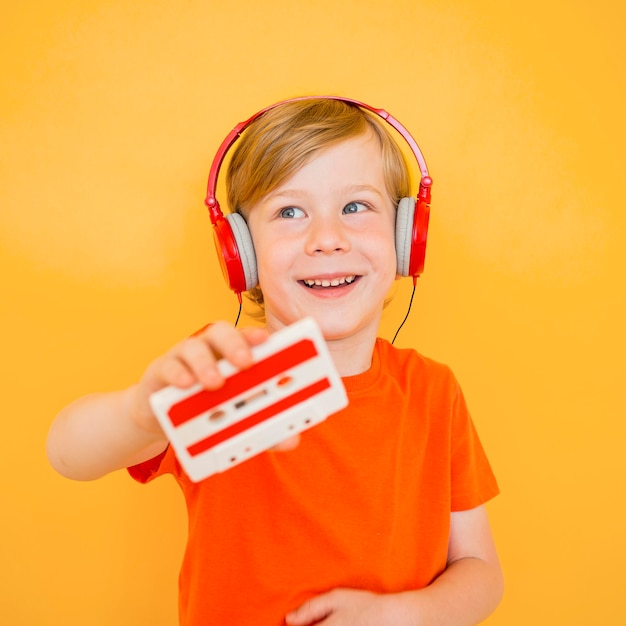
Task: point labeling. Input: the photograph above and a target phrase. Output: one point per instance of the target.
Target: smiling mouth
(313, 283)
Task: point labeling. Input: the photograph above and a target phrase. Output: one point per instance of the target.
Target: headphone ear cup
(404, 234)
(245, 247)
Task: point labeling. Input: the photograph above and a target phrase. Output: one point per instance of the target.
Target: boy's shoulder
(404, 358)
(416, 373)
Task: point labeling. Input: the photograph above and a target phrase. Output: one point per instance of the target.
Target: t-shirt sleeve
(163, 463)
(472, 479)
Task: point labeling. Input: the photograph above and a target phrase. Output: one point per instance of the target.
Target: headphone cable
(240, 306)
(407, 312)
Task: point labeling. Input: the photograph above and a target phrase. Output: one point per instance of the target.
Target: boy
(377, 515)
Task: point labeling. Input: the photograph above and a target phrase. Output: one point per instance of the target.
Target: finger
(201, 357)
(254, 335)
(312, 611)
(288, 444)
(235, 345)
(194, 360)
(172, 371)
(199, 354)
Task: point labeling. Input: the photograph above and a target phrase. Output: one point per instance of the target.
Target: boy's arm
(467, 591)
(96, 435)
(104, 432)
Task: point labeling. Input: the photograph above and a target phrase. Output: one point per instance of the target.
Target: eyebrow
(286, 192)
(370, 188)
(298, 193)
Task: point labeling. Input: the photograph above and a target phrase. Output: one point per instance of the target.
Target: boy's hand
(343, 607)
(192, 361)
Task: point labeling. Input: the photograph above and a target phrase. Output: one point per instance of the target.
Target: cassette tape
(291, 386)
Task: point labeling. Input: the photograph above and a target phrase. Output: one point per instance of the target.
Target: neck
(352, 355)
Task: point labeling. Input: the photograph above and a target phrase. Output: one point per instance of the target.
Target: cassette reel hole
(217, 416)
(251, 398)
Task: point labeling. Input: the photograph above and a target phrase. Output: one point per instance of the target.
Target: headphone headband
(211, 200)
(232, 237)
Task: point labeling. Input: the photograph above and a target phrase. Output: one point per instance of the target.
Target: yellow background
(110, 114)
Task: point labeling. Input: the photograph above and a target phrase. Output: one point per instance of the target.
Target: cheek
(385, 248)
(272, 262)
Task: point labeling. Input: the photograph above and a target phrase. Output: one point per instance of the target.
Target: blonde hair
(288, 136)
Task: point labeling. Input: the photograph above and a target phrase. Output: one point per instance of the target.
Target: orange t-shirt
(363, 502)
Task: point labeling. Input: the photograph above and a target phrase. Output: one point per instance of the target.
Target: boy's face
(325, 242)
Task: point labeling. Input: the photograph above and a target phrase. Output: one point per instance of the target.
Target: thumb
(312, 611)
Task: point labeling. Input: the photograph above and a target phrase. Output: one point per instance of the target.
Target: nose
(327, 235)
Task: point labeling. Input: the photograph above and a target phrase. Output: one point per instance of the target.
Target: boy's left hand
(342, 607)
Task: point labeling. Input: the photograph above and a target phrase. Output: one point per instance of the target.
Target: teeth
(335, 282)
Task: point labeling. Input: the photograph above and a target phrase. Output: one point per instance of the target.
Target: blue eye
(291, 212)
(354, 207)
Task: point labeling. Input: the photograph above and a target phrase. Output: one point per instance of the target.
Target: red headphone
(232, 237)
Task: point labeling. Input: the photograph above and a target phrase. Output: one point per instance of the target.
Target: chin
(338, 329)
(336, 323)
